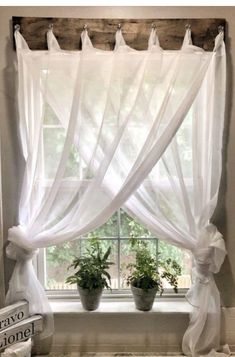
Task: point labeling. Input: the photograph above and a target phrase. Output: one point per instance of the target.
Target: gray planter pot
(90, 298)
(143, 299)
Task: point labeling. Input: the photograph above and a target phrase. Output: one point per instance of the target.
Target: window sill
(117, 326)
(167, 306)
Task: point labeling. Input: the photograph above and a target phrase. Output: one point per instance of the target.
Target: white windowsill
(117, 326)
(123, 307)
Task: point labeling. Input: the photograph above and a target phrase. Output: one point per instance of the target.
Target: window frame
(119, 293)
(40, 261)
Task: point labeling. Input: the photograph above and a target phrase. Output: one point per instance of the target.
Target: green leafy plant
(92, 267)
(148, 271)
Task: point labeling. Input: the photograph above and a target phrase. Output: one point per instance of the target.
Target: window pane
(105, 244)
(131, 228)
(182, 257)
(109, 229)
(73, 168)
(58, 258)
(184, 140)
(127, 256)
(54, 138)
(50, 117)
(53, 145)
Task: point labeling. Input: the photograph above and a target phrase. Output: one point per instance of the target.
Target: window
(53, 262)
(114, 233)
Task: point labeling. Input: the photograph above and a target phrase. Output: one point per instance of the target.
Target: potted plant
(92, 274)
(147, 274)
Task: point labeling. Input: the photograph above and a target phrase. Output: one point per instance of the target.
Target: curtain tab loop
(187, 37)
(119, 40)
(21, 44)
(86, 41)
(153, 38)
(52, 43)
(219, 40)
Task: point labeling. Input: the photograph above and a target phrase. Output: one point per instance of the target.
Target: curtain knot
(209, 255)
(210, 251)
(16, 250)
(202, 273)
(17, 253)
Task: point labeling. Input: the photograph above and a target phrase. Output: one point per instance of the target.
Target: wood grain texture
(102, 32)
(13, 314)
(21, 331)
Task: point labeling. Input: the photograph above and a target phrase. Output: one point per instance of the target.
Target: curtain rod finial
(17, 27)
(220, 28)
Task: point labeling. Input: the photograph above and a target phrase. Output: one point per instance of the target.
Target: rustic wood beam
(102, 31)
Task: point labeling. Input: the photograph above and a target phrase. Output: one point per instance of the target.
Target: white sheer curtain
(178, 199)
(117, 113)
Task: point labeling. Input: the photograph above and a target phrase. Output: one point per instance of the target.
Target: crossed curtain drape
(140, 130)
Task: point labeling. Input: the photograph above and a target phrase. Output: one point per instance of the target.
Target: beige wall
(11, 161)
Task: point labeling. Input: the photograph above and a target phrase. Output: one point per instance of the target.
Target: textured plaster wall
(12, 162)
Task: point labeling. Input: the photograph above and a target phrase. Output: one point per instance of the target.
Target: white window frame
(40, 266)
(40, 261)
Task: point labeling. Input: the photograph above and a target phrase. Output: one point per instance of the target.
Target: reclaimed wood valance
(102, 31)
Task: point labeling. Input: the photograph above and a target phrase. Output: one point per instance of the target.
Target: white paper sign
(21, 331)
(13, 314)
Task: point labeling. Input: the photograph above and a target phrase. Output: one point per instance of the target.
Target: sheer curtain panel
(119, 116)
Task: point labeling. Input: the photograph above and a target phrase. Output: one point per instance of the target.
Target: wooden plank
(102, 31)
(13, 314)
(21, 331)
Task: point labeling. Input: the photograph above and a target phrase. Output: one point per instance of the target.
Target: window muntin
(114, 233)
